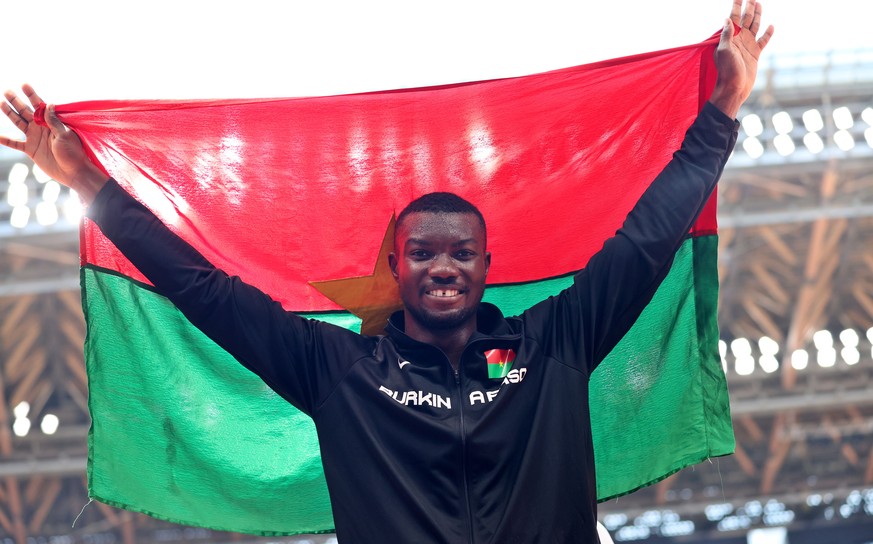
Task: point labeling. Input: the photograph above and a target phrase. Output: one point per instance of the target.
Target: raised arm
(292, 355)
(588, 319)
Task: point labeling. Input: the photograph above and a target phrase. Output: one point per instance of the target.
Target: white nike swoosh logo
(402, 363)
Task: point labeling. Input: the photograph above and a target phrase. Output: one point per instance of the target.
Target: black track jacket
(412, 451)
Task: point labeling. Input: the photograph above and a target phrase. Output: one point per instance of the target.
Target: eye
(419, 254)
(465, 254)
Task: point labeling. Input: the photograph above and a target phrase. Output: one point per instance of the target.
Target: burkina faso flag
(295, 196)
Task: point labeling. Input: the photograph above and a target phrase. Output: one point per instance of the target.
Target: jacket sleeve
(582, 324)
(293, 355)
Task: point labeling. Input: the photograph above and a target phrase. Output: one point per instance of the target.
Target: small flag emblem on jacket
(499, 362)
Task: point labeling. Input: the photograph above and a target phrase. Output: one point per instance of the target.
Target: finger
(765, 39)
(13, 116)
(54, 124)
(20, 107)
(31, 95)
(736, 9)
(756, 20)
(13, 144)
(748, 14)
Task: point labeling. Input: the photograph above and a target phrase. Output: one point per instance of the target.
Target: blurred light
(782, 122)
(745, 365)
(844, 140)
(677, 528)
(768, 363)
(768, 346)
(49, 424)
(813, 500)
(799, 359)
(849, 338)
(722, 348)
(843, 118)
(850, 355)
(21, 409)
(868, 135)
(40, 176)
(870, 335)
(784, 145)
(21, 426)
(845, 510)
(741, 347)
(19, 217)
(823, 339)
(51, 191)
(46, 214)
(614, 521)
(649, 518)
(813, 142)
(827, 357)
(17, 194)
(753, 508)
(73, 208)
(632, 532)
(867, 116)
(18, 173)
(812, 120)
(734, 523)
(715, 512)
(752, 125)
(753, 147)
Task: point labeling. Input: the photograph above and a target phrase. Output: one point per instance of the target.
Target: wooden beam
(745, 462)
(48, 500)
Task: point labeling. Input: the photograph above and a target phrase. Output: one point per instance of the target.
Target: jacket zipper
(464, 457)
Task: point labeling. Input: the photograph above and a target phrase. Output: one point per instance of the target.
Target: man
(517, 468)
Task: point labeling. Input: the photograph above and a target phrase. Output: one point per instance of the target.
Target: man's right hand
(54, 148)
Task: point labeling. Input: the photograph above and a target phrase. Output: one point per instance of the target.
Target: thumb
(727, 31)
(53, 122)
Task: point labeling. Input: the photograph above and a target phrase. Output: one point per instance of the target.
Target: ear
(487, 261)
(392, 264)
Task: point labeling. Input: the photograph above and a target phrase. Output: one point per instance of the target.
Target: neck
(450, 341)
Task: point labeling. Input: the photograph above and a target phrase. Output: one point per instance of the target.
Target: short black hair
(441, 202)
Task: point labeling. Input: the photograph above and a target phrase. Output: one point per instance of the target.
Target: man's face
(440, 263)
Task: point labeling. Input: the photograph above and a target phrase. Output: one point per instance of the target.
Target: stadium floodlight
(849, 338)
(745, 365)
(21, 409)
(812, 120)
(49, 424)
(752, 125)
(784, 144)
(46, 213)
(753, 147)
(844, 140)
(51, 191)
(18, 173)
(21, 426)
(813, 142)
(741, 347)
(40, 176)
(799, 359)
(867, 116)
(823, 339)
(17, 194)
(768, 363)
(850, 355)
(19, 217)
(826, 357)
(768, 346)
(868, 135)
(782, 122)
(843, 118)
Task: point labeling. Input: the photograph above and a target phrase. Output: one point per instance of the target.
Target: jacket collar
(492, 329)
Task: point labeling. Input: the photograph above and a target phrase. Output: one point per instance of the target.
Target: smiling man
(458, 424)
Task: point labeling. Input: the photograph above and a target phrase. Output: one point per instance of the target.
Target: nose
(443, 267)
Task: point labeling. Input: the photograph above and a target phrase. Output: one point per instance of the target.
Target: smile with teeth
(443, 293)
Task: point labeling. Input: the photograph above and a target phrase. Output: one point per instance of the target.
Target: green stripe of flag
(184, 433)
